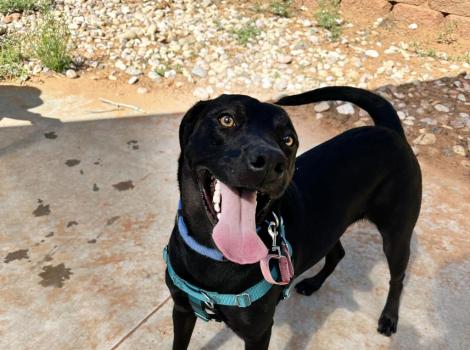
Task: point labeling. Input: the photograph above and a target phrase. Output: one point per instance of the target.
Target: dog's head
(239, 153)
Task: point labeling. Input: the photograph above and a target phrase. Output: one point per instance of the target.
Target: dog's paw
(387, 325)
(307, 286)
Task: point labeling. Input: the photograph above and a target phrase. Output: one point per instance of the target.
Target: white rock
(199, 71)
(134, 79)
(321, 107)
(425, 139)
(71, 74)
(266, 83)
(120, 65)
(142, 90)
(154, 75)
(285, 59)
(460, 150)
(401, 115)
(37, 69)
(169, 74)
(372, 53)
(441, 108)
(413, 26)
(346, 108)
(201, 93)
(461, 97)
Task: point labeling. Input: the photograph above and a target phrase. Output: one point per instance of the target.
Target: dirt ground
(88, 201)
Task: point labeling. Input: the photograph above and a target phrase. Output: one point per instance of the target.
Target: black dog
(250, 147)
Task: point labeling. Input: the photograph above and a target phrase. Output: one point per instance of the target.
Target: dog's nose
(267, 162)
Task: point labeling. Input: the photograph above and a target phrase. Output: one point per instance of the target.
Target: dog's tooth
(218, 216)
(217, 185)
(217, 207)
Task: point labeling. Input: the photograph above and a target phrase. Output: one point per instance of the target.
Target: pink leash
(282, 256)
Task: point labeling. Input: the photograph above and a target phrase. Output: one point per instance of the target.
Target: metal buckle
(209, 302)
(243, 300)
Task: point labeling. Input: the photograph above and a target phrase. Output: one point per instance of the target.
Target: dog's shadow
(300, 317)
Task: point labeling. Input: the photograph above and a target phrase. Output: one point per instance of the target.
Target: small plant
(246, 33)
(11, 58)
(51, 44)
(328, 17)
(466, 57)
(9, 6)
(447, 35)
(281, 8)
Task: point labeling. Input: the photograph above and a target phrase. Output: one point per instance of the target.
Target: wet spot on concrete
(112, 220)
(47, 258)
(50, 234)
(98, 162)
(92, 241)
(95, 188)
(54, 276)
(16, 255)
(133, 144)
(72, 223)
(81, 172)
(42, 241)
(42, 210)
(124, 185)
(50, 135)
(72, 162)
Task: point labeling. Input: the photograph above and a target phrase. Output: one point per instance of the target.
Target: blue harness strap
(243, 299)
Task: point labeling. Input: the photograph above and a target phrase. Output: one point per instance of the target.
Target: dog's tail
(380, 110)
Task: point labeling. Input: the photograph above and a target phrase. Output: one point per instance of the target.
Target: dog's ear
(189, 120)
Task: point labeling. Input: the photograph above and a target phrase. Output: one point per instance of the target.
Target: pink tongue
(235, 233)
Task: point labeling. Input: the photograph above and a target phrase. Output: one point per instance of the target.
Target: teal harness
(201, 299)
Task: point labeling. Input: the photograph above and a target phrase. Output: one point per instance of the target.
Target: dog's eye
(227, 121)
(288, 140)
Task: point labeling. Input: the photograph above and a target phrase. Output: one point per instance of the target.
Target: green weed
(281, 8)
(246, 33)
(9, 6)
(51, 44)
(11, 58)
(328, 17)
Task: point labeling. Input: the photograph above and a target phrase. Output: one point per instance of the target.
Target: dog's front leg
(260, 342)
(183, 325)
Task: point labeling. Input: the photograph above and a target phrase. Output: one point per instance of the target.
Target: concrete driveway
(87, 206)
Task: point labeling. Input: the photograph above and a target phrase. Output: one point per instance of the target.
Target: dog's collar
(211, 253)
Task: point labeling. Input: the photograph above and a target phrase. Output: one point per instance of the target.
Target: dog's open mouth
(234, 212)
(210, 188)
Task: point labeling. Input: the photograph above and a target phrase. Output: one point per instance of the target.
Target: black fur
(364, 173)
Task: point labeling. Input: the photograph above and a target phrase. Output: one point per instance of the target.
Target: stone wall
(422, 12)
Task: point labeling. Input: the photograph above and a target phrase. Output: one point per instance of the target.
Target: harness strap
(243, 299)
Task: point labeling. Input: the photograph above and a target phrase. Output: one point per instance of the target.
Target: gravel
(228, 46)
(201, 45)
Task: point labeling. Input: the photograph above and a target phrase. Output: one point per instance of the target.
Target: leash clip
(273, 232)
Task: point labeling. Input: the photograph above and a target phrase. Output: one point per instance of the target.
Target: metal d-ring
(209, 303)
